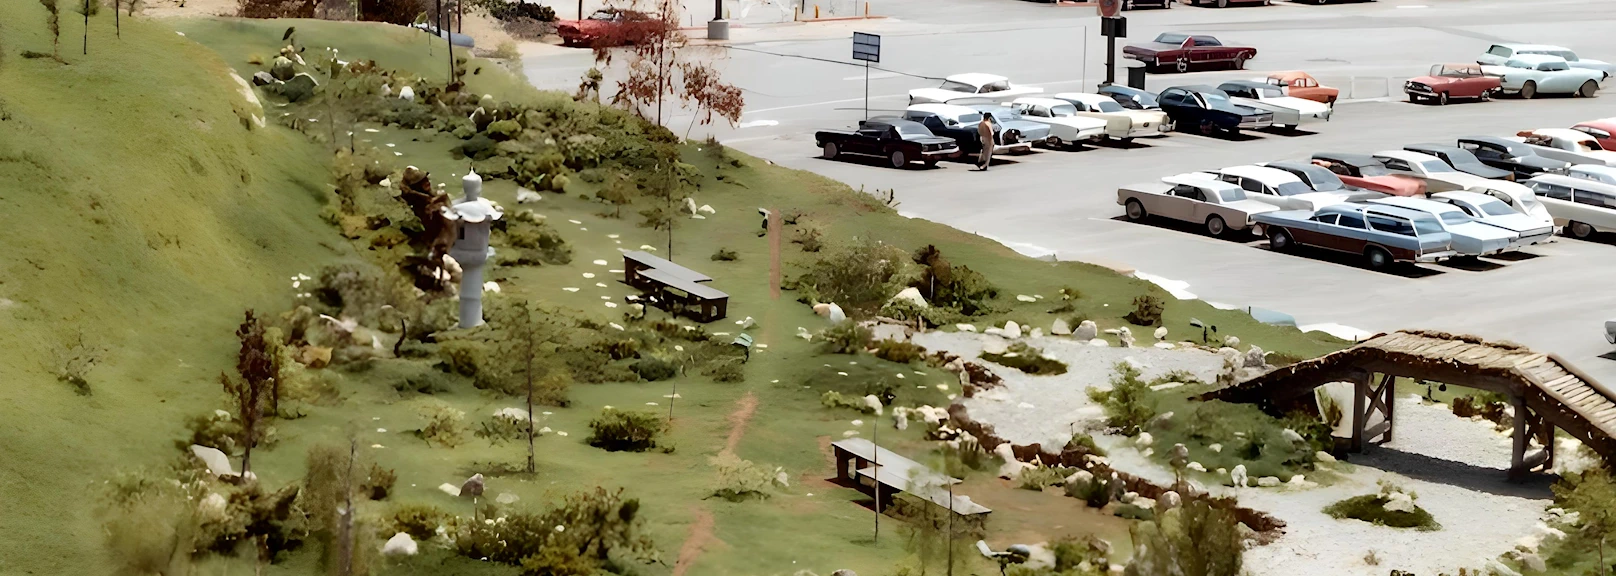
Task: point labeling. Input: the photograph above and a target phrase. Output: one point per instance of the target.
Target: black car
(1209, 110)
(1461, 160)
(1317, 177)
(1511, 155)
(1130, 97)
(899, 141)
(1135, 4)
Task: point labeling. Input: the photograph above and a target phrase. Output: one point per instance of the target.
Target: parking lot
(1553, 297)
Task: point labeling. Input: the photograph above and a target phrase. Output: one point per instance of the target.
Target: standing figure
(984, 132)
(474, 218)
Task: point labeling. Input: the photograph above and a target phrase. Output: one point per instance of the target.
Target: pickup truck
(1382, 234)
(1568, 145)
(1180, 51)
(899, 141)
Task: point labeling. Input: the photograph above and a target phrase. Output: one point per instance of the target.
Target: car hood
(1152, 47)
(1480, 231)
(1517, 223)
(1481, 170)
(1078, 122)
(1302, 105)
(1252, 206)
(1536, 161)
(1321, 199)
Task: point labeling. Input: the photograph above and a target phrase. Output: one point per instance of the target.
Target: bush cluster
(1130, 403)
(1027, 359)
(580, 537)
(846, 337)
(622, 430)
(653, 369)
(1147, 311)
(420, 521)
(899, 351)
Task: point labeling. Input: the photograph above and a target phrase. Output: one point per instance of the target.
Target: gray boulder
(262, 79)
(1060, 328)
(282, 69)
(217, 461)
(473, 486)
(1086, 330)
(1255, 357)
(299, 88)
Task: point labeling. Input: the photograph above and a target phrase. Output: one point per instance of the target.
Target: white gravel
(1456, 466)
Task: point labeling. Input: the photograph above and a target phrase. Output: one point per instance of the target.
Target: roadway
(1552, 298)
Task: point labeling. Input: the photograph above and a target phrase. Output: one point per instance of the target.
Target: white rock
(1080, 477)
(994, 346)
(1215, 448)
(1196, 466)
(1036, 333)
(1323, 456)
(690, 205)
(706, 209)
(1144, 439)
(1238, 475)
(525, 196)
(836, 313)
(213, 507)
(1086, 330)
(1292, 437)
(1025, 298)
(1099, 343)
(965, 327)
(1399, 502)
(1168, 499)
(822, 309)
(1223, 472)
(406, 93)
(1231, 341)
(873, 403)
(1534, 563)
(1146, 503)
(218, 463)
(994, 331)
(1497, 568)
(491, 286)
(1127, 337)
(1298, 481)
(400, 543)
(1166, 345)
(1161, 333)
(1012, 330)
(1060, 328)
(1268, 481)
(450, 489)
(912, 295)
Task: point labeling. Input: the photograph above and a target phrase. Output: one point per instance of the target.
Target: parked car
(1610, 331)
(1595, 172)
(1130, 97)
(959, 124)
(899, 141)
(1137, 4)
(973, 88)
(1226, 3)
(1461, 160)
(1437, 175)
(1566, 144)
(1289, 112)
(1489, 210)
(1219, 205)
(1511, 155)
(1382, 234)
(1120, 123)
(1365, 172)
(1299, 84)
(606, 27)
(1179, 51)
(1529, 75)
(1580, 207)
(1280, 188)
(1469, 236)
(1208, 110)
(1452, 81)
(1007, 117)
(1321, 179)
(1498, 54)
(1603, 130)
(1061, 119)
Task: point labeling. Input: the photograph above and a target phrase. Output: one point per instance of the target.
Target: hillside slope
(136, 206)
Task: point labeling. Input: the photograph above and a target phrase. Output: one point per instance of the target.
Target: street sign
(1110, 8)
(866, 47)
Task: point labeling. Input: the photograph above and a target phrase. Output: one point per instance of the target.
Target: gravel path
(1456, 466)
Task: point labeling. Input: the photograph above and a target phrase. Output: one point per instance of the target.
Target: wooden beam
(1517, 464)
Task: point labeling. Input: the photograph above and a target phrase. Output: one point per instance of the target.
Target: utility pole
(442, 24)
(875, 439)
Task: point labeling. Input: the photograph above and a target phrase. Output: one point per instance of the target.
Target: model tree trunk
(255, 375)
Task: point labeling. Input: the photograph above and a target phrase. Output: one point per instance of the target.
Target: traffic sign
(866, 47)
(1110, 8)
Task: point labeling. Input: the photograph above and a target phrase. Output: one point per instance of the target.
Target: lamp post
(718, 28)
(474, 217)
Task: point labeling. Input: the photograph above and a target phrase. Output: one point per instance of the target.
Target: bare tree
(53, 20)
(658, 52)
(255, 375)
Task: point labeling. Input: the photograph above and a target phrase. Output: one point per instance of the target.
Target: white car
(1439, 176)
(1470, 236)
(1120, 123)
(959, 123)
(1196, 198)
(1610, 331)
(1567, 145)
(1490, 211)
(1065, 125)
(1581, 206)
(973, 88)
(1531, 74)
(1595, 172)
(1280, 188)
(1289, 111)
(1501, 53)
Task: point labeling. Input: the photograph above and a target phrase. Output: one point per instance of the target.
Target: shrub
(653, 369)
(598, 528)
(1027, 359)
(834, 399)
(856, 276)
(724, 255)
(899, 351)
(1282, 359)
(725, 370)
(847, 337)
(463, 357)
(809, 238)
(444, 424)
(378, 483)
(1084, 443)
(1130, 403)
(215, 429)
(420, 521)
(1371, 508)
(619, 430)
(1038, 478)
(1195, 539)
(535, 243)
(1147, 311)
(947, 286)
(1096, 493)
(740, 480)
(617, 349)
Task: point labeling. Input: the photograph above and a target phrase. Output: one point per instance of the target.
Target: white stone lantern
(474, 218)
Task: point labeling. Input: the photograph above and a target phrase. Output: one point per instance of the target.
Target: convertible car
(971, 88)
(1382, 234)
(1491, 211)
(1208, 110)
(1470, 237)
(1603, 130)
(1120, 123)
(1194, 198)
(1060, 118)
(899, 141)
(959, 123)
(1511, 155)
(1452, 81)
(1500, 53)
(1365, 172)
(1289, 112)
(1130, 98)
(1437, 175)
(1566, 144)
(1529, 75)
(1299, 84)
(1181, 51)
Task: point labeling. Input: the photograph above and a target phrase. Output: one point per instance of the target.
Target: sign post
(866, 47)
(1111, 27)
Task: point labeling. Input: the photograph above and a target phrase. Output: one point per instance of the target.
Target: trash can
(1136, 76)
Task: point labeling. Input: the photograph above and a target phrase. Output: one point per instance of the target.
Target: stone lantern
(474, 217)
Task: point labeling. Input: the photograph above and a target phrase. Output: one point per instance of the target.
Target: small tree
(589, 86)
(1195, 539)
(525, 348)
(88, 8)
(255, 375)
(619, 192)
(657, 52)
(53, 20)
(1592, 495)
(1130, 403)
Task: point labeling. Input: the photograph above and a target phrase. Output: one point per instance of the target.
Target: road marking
(756, 123)
(874, 76)
(1413, 6)
(828, 102)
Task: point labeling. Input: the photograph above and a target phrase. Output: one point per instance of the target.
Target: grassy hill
(139, 208)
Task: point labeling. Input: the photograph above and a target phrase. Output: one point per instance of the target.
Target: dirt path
(700, 534)
(744, 408)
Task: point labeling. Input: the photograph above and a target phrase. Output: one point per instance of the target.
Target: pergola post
(1360, 393)
(1517, 459)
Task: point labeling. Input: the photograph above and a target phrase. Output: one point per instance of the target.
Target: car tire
(1486, 95)
(1442, 99)
(1280, 241)
(898, 159)
(1588, 89)
(931, 162)
(1528, 90)
(1208, 128)
(1579, 230)
(1223, 3)
(1377, 258)
(831, 151)
(1128, 140)
(1215, 226)
(1134, 210)
(1182, 65)
(1240, 62)
(1319, 2)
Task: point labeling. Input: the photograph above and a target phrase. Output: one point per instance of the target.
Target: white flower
(858, 422)
(560, 528)
(562, 433)
(607, 407)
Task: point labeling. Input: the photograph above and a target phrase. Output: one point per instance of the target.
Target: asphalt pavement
(1551, 297)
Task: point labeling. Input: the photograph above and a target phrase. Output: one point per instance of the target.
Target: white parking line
(874, 76)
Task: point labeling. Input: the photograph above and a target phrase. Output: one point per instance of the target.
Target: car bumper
(1249, 124)
(949, 153)
(1533, 237)
(1435, 256)
(1023, 146)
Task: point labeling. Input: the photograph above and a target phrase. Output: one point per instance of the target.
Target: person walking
(984, 133)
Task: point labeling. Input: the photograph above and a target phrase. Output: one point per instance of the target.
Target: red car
(606, 27)
(1363, 171)
(1180, 51)
(1603, 130)
(1452, 81)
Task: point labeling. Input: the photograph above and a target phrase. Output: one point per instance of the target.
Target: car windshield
(907, 129)
(1553, 66)
(1436, 166)
(1105, 106)
(1293, 188)
(1371, 170)
(1459, 71)
(1568, 55)
(1270, 92)
(1427, 226)
(1215, 99)
(1323, 179)
(953, 86)
(971, 118)
(1070, 110)
(1170, 38)
(1232, 194)
(603, 15)
(1456, 218)
(1495, 208)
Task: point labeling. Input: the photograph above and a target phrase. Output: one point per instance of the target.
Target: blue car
(1383, 235)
